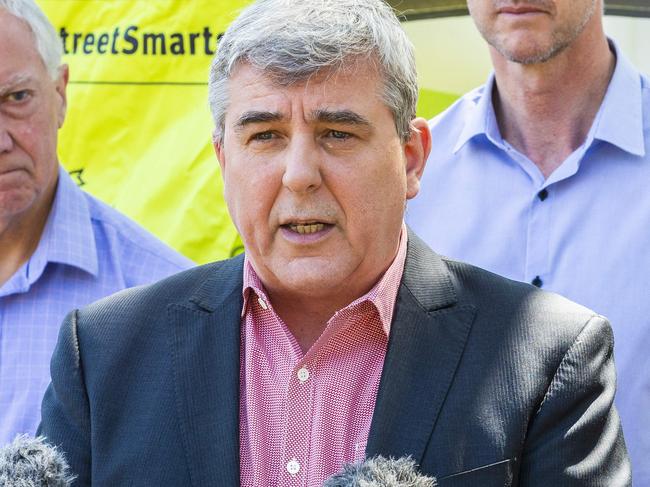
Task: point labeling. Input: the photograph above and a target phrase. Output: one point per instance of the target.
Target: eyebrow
(5, 88)
(248, 118)
(346, 117)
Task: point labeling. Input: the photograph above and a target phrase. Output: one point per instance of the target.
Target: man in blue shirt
(59, 247)
(542, 175)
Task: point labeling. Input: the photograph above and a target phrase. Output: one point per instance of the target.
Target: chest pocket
(498, 474)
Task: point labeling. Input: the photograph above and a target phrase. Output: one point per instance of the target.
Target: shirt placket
(538, 238)
(296, 444)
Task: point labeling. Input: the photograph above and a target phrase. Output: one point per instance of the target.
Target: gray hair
(47, 41)
(291, 40)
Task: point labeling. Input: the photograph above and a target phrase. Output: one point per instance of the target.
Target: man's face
(316, 178)
(531, 31)
(32, 108)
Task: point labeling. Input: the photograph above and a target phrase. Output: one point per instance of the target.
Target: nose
(6, 142)
(302, 166)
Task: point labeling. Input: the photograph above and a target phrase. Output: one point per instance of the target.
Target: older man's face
(32, 108)
(316, 179)
(531, 31)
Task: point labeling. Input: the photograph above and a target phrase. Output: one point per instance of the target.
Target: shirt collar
(619, 121)
(383, 294)
(68, 236)
(481, 119)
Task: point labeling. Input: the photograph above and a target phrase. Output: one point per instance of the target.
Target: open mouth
(306, 228)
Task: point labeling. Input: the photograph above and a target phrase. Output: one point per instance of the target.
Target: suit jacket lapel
(205, 342)
(427, 338)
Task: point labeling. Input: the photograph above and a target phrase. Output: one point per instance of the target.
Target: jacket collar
(204, 345)
(429, 332)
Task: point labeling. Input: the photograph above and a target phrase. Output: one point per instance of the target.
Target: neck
(306, 318)
(546, 110)
(306, 313)
(20, 235)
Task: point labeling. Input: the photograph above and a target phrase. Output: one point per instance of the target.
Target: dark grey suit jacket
(486, 382)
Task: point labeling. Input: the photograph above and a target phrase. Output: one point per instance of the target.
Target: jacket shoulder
(146, 302)
(505, 301)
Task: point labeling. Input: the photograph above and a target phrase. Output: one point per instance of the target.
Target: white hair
(47, 41)
(291, 40)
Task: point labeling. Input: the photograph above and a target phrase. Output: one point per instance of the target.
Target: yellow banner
(138, 130)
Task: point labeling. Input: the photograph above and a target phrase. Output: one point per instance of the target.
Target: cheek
(250, 193)
(38, 142)
(388, 180)
(374, 197)
(479, 17)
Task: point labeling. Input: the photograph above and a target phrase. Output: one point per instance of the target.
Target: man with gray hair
(59, 247)
(338, 335)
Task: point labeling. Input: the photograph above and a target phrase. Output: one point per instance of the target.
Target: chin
(317, 279)
(530, 52)
(317, 284)
(16, 201)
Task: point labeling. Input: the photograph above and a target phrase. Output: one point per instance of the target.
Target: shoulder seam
(577, 340)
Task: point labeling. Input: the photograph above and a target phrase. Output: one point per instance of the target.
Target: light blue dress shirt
(584, 232)
(87, 251)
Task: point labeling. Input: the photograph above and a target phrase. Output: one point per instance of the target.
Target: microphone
(30, 462)
(381, 472)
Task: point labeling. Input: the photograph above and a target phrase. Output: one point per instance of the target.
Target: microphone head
(30, 462)
(381, 472)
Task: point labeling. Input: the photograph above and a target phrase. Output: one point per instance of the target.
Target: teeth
(305, 229)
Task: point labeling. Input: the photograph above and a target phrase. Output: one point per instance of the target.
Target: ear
(61, 85)
(416, 151)
(218, 150)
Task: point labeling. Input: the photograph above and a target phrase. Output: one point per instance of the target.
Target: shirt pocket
(497, 474)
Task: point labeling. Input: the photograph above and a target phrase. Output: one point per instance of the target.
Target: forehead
(18, 52)
(357, 87)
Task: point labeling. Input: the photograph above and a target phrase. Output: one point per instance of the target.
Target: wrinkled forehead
(19, 56)
(285, 75)
(355, 83)
(10, 23)
(358, 78)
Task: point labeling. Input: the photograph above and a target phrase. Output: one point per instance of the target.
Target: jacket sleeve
(575, 439)
(65, 412)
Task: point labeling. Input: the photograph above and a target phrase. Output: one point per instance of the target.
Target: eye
(262, 136)
(337, 134)
(18, 96)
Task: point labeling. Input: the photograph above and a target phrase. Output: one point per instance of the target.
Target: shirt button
(303, 375)
(537, 282)
(542, 195)
(293, 467)
(262, 303)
